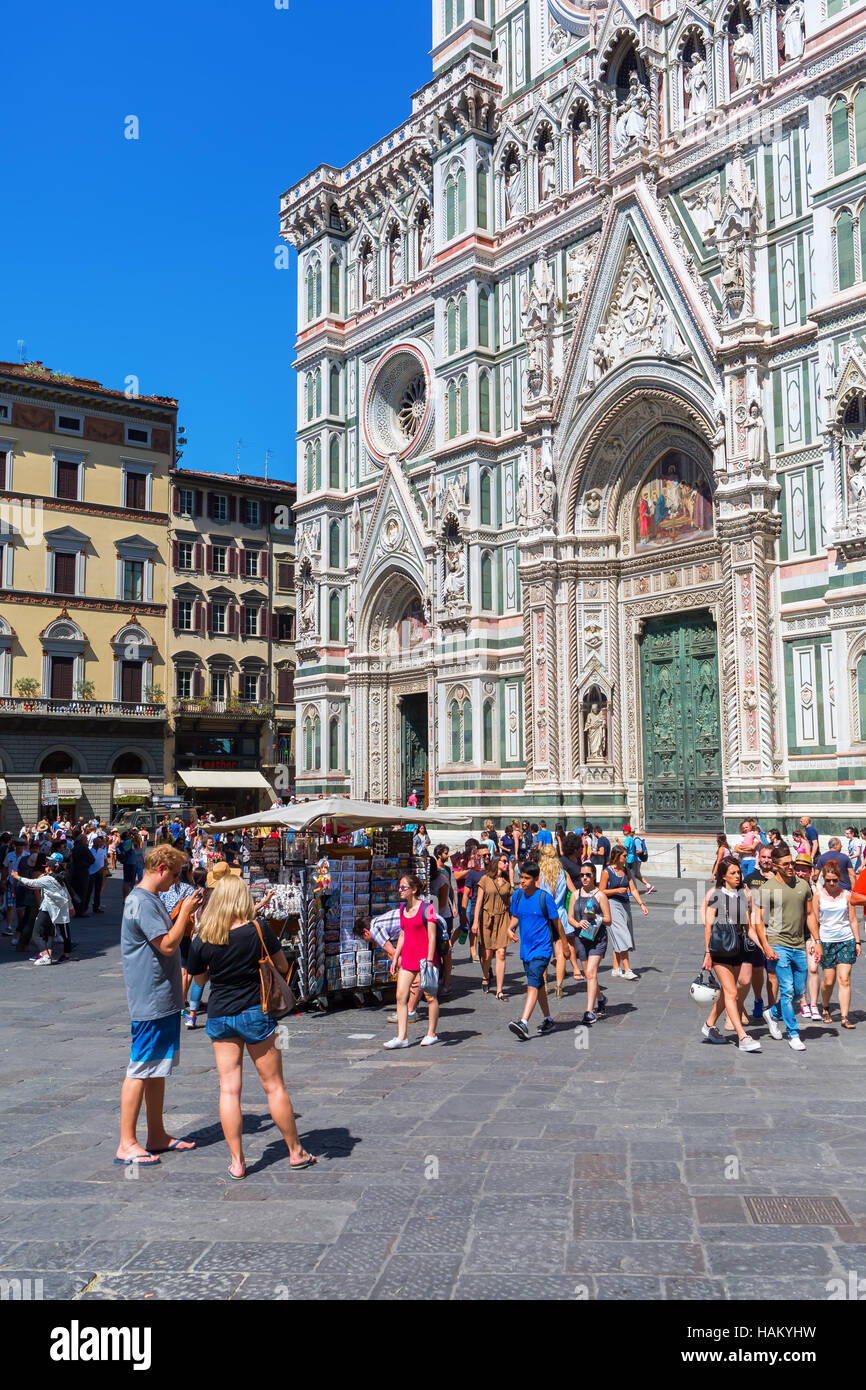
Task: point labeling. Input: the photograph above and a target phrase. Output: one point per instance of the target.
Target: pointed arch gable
(633, 223)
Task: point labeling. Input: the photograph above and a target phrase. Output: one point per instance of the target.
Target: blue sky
(155, 257)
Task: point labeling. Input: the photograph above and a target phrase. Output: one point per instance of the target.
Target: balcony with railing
(203, 707)
(90, 709)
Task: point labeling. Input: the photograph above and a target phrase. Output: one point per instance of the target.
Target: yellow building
(84, 512)
(231, 635)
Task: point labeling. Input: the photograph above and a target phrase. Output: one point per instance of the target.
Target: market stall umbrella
(355, 815)
(285, 817)
(343, 811)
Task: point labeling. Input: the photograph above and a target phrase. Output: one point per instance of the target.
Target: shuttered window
(136, 491)
(62, 668)
(130, 682)
(67, 480)
(64, 574)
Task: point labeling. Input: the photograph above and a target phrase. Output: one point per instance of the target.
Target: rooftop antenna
(240, 445)
(21, 346)
(268, 453)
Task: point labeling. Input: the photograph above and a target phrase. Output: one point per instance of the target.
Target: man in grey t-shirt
(149, 944)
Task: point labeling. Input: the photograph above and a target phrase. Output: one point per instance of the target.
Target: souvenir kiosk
(325, 886)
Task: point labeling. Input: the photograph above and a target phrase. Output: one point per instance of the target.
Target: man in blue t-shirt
(534, 915)
(811, 835)
(544, 835)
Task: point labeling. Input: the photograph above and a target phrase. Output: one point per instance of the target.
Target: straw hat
(220, 871)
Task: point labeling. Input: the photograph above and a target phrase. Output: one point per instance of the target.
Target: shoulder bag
(278, 997)
(726, 937)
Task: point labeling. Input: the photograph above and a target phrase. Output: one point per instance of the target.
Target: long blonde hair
(550, 867)
(230, 901)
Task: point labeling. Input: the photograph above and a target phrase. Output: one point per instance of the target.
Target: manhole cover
(797, 1211)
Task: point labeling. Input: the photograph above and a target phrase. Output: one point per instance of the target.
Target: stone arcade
(582, 421)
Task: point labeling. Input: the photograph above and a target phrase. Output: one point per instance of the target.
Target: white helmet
(705, 989)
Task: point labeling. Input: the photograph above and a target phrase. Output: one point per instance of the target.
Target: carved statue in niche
(522, 501)
(591, 510)
(720, 461)
(578, 267)
(743, 53)
(704, 204)
(695, 83)
(857, 475)
(547, 172)
(454, 588)
(595, 732)
(793, 25)
(395, 251)
(368, 275)
(513, 191)
(425, 241)
(547, 497)
(350, 624)
(355, 528)
(755, 434)
(537, 311)
(308, 607)
(583, 150)
(598, 361)
(632, 120)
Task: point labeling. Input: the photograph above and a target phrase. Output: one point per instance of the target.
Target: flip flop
(180, 1145)
(236, 1177)
(139, 1161)
(306, 1163)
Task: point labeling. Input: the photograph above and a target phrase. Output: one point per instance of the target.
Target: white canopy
(347, 813)
(205, 780)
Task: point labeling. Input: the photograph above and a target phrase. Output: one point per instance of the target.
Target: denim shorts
(252, 1026)
(536, 971)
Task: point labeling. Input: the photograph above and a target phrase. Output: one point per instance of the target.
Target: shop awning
(205, 781)
(131, 789)
(68, 789)
(3, 792)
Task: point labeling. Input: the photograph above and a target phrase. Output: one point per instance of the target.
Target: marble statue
(755, 433)
(522, 501)
(583, 150)
(632, 120)
(548, 172)
(513, 191)
(426, 242)
(793, 24)
(595, 732)
(743, 51)
(695, 82)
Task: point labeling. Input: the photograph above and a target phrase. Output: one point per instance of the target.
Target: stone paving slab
(484, 1168)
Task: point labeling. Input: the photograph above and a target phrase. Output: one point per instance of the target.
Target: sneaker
(616, 971)
(396, 1042)
(815, 1012)
(804, 1010)
(758, 1010)
(429, 1039)
(189, 1021)
(796, 1042)
(774, 1025)
(712, 1034)
(652, 888)
(413, 1018)
(747, 1044)
(589, 1018)
(547, 1025)
(520, 1029)
(629, 975)
(44, 959)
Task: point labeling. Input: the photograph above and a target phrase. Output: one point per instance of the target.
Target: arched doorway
(394, 650)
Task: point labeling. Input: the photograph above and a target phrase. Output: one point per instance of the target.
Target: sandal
(846, 1023)
(825, 1016)
(485, 986)
(304, 1163)
(501, 996)
(558, 992)
(237, 1177)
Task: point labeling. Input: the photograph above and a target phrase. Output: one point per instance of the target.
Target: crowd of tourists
(780, 924)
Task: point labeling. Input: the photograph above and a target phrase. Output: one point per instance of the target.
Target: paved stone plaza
(483, 1168)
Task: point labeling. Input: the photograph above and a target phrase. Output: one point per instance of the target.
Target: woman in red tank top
(416, 942)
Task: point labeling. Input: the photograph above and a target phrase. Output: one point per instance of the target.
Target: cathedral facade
(582, 421)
